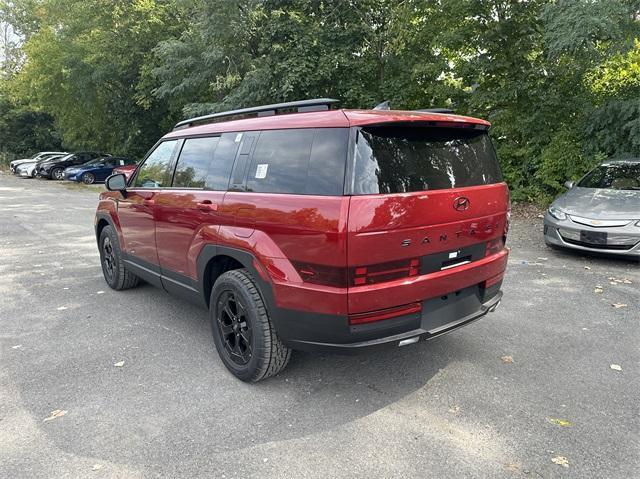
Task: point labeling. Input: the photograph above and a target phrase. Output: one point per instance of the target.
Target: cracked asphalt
(486, 401)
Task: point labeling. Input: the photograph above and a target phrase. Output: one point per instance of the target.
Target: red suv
(304, 227)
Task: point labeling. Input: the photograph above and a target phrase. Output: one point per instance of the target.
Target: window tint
(193, 163)
(155, 170)
(223, 158)
(395, 159)
(301, 161)
(108, 162)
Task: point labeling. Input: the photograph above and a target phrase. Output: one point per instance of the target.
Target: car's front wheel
(88, 178)
(57, 174)
(242, 330)
(115, 273)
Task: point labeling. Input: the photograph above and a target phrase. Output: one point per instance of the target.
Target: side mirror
(117, 182)
(569, 184)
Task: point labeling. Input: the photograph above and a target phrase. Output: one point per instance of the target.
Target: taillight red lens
(389, 313)
(381, 272)
(494, 246)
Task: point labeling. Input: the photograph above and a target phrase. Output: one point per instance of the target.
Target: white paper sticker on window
(261, 171)
(238, 137)
(453, 255)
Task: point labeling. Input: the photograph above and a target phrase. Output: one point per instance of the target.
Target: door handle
(207, 205)
(149, 202)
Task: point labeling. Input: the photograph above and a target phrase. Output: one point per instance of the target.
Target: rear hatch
(425, 200)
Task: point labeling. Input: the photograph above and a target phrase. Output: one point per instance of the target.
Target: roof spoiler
(316, 104)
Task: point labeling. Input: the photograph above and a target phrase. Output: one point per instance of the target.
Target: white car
(37, 157)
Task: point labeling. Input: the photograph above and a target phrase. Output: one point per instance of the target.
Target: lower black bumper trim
(394, 340)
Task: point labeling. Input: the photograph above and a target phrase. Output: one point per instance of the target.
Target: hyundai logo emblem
(461, 203)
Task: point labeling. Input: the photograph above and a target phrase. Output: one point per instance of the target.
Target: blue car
(96, 170)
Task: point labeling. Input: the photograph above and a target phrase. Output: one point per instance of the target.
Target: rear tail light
(495, 245)
(321, 274)
(358, 276)
(370, 317)
(379, 273)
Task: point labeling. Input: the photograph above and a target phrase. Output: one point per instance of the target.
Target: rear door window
(194, 161)
(154, 172)
(399, 159)
(223, 158)
(299, 161)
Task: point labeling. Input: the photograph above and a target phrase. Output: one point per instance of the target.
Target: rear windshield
(400, 159)
(615, 176)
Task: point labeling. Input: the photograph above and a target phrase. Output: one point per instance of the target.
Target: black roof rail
(435, 110)
(316, 104)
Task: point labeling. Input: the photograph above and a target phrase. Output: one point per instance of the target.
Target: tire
(244, 335)
(56, 174)
(115, 273)
(88, 178)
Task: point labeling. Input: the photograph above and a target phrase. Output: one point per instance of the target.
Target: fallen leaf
(97, 467)
(598, 290)
(55, 414)
(119, 364)
(616, 367)
(619, 305)
(507, 359)
(512, 467)
(560, 461)
(560, 422)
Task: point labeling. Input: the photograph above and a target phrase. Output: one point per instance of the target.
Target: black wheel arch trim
(246, 259)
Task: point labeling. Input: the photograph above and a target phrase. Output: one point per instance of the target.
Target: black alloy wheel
(115, 273)
(243, 332)
(233, 327)
(108, 260)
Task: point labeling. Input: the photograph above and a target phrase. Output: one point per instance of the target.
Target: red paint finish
(137, 224)
(126, 170)
(180, 220)
(309, 248)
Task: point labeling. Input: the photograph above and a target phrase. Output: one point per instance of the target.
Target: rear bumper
(315, 332)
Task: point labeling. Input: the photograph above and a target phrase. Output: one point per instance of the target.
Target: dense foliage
(559, 80)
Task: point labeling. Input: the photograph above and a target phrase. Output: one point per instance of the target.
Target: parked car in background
(54, 169)
(34, 158)
(599, 213)
(28, 169)
(337, 230)
(97, 169)
(126, 170)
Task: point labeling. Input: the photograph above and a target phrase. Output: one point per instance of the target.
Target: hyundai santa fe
(302, 226)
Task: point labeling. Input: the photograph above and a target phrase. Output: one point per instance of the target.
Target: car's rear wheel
(57, 174)
(115, 273)
(88, 178)
(242, 330)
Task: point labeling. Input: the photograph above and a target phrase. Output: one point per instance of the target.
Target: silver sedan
(600, 213)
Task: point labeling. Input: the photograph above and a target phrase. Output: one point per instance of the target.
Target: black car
(54, 169)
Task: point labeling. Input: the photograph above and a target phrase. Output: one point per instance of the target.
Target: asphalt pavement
(98, 383)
